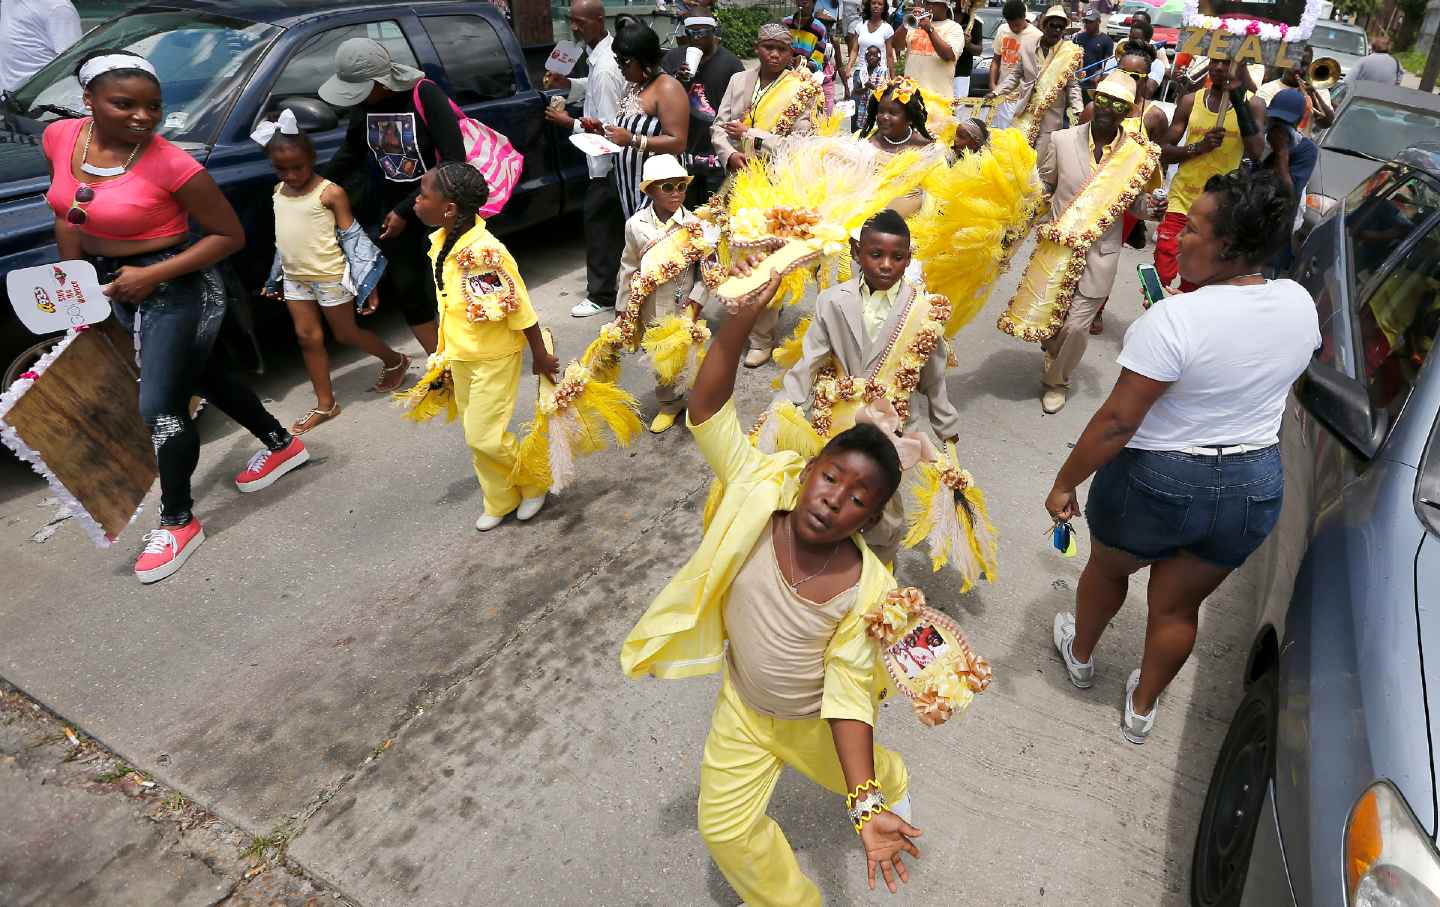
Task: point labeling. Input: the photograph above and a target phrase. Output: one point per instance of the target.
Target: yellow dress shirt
(875, 307)
(476, 341)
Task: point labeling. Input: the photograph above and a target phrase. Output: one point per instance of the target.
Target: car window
(1344, 40)
(1380, 215)
(201, 60)
(314, 62)
(475, 60)
(1398, 322)
(1379, 129)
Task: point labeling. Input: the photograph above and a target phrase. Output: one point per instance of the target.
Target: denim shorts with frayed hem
(1156, 504)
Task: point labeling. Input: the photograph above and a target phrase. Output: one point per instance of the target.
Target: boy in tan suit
(853, 326)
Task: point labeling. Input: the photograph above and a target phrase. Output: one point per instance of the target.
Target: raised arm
(716, 381)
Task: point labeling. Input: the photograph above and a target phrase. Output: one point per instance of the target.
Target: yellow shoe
(663, 422)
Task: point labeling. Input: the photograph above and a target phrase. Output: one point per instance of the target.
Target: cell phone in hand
(1151, 289)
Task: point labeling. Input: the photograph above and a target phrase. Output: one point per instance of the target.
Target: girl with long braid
(485, 323)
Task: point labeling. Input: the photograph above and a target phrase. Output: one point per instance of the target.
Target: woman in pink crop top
(123, 198)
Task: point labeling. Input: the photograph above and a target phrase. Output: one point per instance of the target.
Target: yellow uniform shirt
(492, 273)
(682, 634)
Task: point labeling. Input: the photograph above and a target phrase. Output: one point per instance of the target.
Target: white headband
(111, 62)
(284, 124)
(701, 20)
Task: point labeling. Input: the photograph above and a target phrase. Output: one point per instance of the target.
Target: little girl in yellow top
(485, 323)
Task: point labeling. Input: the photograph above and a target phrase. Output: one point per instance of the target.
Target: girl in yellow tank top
(313, 274)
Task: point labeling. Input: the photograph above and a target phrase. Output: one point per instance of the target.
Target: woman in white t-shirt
(1184, 452)
(873, 30)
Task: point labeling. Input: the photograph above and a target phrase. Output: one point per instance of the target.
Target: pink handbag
(486, 150)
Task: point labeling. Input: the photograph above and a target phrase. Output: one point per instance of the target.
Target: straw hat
(1056, 12)
(662, 167)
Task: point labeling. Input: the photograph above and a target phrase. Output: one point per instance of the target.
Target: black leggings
(175, 330)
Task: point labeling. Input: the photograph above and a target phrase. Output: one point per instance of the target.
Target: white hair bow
(285, 123)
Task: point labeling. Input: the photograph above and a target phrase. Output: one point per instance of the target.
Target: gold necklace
(91, 169)
(795, 565)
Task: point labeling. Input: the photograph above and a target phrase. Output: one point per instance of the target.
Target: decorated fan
(927, 656)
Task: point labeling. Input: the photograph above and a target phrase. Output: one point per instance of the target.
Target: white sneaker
(1082, 673)
(1136, 727)
(488, 522)
(586, 308)
(529, 507)
(756, 358)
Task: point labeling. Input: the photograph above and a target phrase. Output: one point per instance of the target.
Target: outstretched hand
(885, 838)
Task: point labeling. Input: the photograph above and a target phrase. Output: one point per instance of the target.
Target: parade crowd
(793, 582)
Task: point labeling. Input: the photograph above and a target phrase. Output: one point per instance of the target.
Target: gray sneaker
(1136, 727)
(1082, 673)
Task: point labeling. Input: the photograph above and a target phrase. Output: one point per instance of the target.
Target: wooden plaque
(78, 425)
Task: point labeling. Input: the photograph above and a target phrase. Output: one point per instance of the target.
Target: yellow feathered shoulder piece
(976, 211)
(783, 210)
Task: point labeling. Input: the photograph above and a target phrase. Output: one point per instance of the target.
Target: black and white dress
(630, 162)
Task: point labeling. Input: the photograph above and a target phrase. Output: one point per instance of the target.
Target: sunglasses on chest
(84, 195)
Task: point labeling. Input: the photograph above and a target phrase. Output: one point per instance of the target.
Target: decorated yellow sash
(1042, 301)
(1063, 63)
(661, 261)
(788, 99)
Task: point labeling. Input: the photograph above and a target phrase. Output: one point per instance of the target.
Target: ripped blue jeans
(177, 327)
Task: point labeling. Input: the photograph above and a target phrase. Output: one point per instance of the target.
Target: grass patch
(1413, 60)
(271, 846)
(115, 773)
(175, 801)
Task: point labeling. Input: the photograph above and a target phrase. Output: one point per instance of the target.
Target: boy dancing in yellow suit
(783, 574)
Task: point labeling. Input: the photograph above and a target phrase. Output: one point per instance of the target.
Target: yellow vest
(1192, 175)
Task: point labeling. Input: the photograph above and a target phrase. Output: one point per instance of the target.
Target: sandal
(392, 377)
(315, 417)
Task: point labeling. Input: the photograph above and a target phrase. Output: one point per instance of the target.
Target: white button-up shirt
(32, 33)
(601, 90)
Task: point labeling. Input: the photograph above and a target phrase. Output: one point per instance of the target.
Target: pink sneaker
(268, 465)
(166, 550)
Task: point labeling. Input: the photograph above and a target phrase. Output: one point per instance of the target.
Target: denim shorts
(325, 292)
(1156, 504)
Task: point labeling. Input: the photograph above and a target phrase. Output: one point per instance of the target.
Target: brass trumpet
(1323, 73)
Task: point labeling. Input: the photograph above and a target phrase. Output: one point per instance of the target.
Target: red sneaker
(166, 550)
(268, 465)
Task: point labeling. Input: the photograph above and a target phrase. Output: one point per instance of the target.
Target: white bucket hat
(661, 167)
(359, 64)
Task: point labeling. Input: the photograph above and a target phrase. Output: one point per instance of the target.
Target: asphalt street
(429, 715)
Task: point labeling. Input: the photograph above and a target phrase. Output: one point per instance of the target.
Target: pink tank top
(138, 205)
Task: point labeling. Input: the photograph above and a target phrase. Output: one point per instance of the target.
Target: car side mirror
(1342, 405)
(311, 114)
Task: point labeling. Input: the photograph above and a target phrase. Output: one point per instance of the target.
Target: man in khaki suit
(1036, 50)
(753, 119)
(852, 326)
(1065, 165)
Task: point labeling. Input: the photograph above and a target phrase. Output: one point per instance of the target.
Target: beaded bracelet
(864, 803)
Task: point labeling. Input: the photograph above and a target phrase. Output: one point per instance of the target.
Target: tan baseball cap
(359, 64)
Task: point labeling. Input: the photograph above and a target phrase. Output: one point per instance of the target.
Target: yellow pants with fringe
(485, 393)
(743, 758)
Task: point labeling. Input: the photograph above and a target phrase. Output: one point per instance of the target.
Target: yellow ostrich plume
(571, 419)
(974, 211)
(675, 345)
(788, 353)
(800, 222)
(432, 395)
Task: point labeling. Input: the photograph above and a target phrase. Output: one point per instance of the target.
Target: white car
(1117, 24)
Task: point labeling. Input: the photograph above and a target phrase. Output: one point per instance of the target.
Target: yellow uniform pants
(485, 394)
(743, 758)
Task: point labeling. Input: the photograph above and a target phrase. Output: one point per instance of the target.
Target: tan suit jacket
(1024, 77)
(1065, 163)
(838, 329)
(733, 106)
(642, 229)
